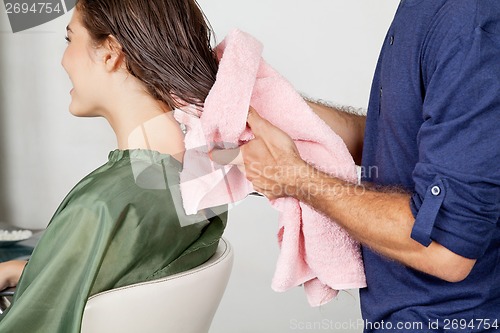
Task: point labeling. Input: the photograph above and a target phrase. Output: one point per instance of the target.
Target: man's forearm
(381, 220)
(347, 124)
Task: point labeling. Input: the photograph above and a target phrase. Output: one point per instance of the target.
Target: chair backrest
(180, 303)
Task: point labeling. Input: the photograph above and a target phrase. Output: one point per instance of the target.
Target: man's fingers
(227, 156)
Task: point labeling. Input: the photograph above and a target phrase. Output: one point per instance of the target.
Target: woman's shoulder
(129, 177)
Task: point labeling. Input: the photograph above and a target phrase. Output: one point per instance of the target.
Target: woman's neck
(140, 122)
(161, 133)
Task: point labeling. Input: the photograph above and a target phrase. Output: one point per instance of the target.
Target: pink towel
(315, 251)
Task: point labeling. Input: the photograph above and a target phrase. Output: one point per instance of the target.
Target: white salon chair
(180, 303)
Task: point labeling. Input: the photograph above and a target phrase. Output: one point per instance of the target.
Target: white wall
(326, 48)
(45, 150)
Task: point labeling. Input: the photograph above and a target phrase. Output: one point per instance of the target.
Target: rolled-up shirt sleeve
(456, 201)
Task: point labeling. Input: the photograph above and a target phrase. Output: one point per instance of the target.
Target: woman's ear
(112, 56)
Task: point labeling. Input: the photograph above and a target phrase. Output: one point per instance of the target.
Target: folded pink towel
(315, 251)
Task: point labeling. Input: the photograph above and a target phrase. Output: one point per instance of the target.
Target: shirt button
(391, 40)
(435, 190)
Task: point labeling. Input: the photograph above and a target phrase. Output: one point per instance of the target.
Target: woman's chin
(79, 111)
(75, 111)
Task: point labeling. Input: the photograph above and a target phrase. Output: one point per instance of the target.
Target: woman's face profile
(85, 70)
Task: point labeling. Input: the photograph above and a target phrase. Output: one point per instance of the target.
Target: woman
(131, 62)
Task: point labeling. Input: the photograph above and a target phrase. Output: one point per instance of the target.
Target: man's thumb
(256, 123)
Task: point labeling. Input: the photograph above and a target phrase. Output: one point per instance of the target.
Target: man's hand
(271, 159)
(381, 220)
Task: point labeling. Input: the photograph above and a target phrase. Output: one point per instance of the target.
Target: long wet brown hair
(166, 44)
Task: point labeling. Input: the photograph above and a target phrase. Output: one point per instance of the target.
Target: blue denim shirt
(433, 129)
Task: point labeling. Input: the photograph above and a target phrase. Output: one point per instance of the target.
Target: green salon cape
(120, 225)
